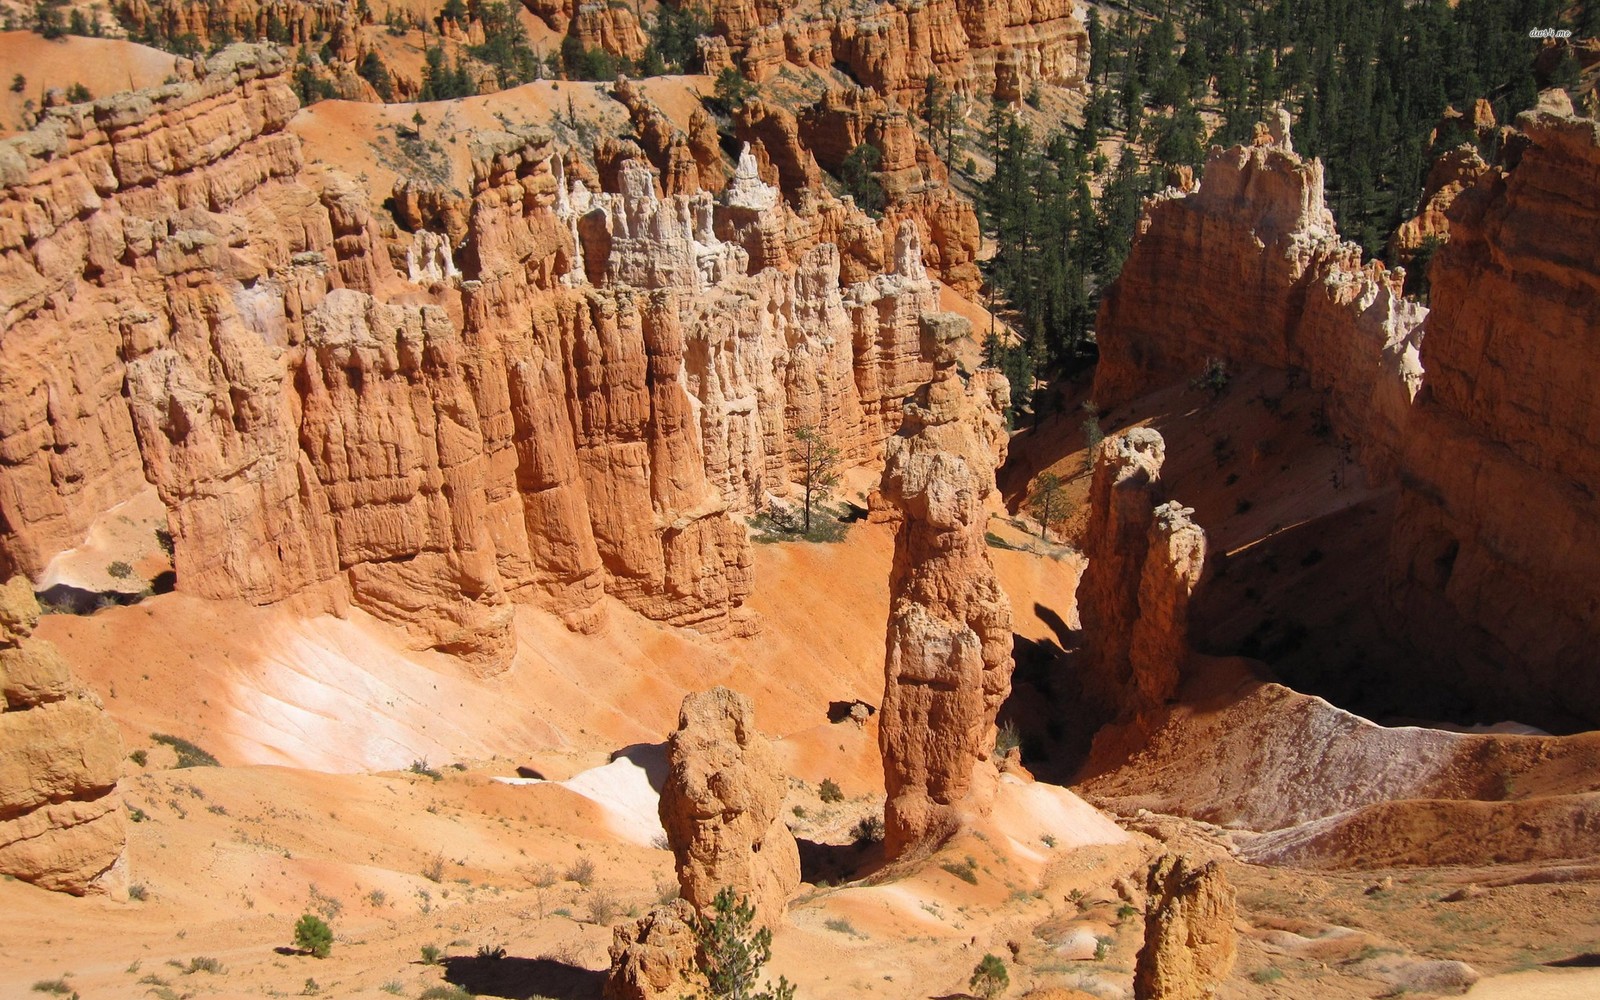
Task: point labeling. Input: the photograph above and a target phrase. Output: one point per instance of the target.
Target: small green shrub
(56, 986)
(445, 993)
(189, 755)
(204, 963)
(868, 830)
(430, 954)
(421, 767)
(119, 570)
(1007, 738)
(139, 757)
(989, 977)
(1270, 974)
(313, 935)
(966, 871)
(829, 791)
(138, 893)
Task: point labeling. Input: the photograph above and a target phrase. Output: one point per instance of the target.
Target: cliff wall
(566, 394)
(1491, 574)
(1249, 268)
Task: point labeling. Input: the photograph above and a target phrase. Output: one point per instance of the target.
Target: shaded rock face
(1451, 173)
(1250, 269)
(1491, 571)
(1189, 940)
(947, 665)
(531, 393)
(653, 957)
(720, 808)
(1145, 558)
(61, 819)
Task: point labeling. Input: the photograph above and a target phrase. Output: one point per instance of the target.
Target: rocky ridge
(947, 665)
(61, 818)
(490, 427)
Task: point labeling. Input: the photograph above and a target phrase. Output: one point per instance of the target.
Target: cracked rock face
(948, 658)
(720, 807)
(61, 819)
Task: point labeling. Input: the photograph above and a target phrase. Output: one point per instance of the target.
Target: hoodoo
(948, 662)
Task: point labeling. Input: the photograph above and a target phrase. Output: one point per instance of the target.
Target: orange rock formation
(651, 956)
(565, 393)
(720, 808)
(1491, 574)
(1189, 940)
(1250, 269)
(948, 651)
(1145, 558)
(61, 822)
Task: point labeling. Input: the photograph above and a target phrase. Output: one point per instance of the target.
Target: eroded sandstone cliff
(563, 396)
(1249, 268)
(948, 651)
(1492, 576)
(61, 821)
(1189, 940)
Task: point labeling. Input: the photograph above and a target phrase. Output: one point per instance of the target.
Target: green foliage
(1047, 503)
(78, 94)
(431, 954)
(19, 83)
(204, 963)
(829, 791)
(732, 951)
(868, 830)
(1417, 283)
(859, 175)
(189, 755)
(1213, 378)
(989, 977)
(139, 757)
(672, 38)
(376, 73)
(308, 85)
(312, 935)
(505, 45)
(47, 19)
(58, 987)
(441, 81)
(118, 570)
(138, 893)
(582, 63)
(444, 993)
(817, 462)
(1007, 738)
(730, 91)
(421, 767)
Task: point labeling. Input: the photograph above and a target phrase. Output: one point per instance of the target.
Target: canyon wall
(947, 662)
(1492, 576)
(977, 48)
(1249, 269)
(565, 396)
(61, 819)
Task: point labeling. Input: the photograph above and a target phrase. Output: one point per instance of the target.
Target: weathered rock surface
(1452, 173)
(652, 957)
(61, 820)
(1491, 577)
(947, 664)
(977, 48)
(720, 807)
(1250, 269)
(531, 393)
(1189, 940)
(1145, 558)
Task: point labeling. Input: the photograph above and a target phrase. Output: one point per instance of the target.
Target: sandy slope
(103, 65)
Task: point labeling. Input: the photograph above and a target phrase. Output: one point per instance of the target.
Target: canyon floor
(392, 791)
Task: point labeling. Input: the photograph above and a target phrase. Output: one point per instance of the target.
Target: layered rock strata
(535, 393)
(1145, 559)
(977, 48)
(1491, 571)
(61, 820)
(947, 664)
(1249, 268)
(720, 807)
(1189, 939)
